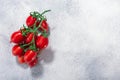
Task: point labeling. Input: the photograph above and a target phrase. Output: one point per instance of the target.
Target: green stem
(34, 42)
(33, 46)
(45, 12)
(35, 24)
(26, 44)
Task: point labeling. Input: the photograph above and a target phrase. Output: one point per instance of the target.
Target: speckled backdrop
(84, 40)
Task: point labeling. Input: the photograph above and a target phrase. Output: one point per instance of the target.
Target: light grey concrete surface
(84, 40)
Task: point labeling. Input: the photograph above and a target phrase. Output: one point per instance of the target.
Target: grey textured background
(84, 40)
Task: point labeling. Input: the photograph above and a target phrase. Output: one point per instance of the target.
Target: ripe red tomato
(21, 59)
(41, 42)
(30, 21)
(17, 50)
(44, 25)
(29, 37)
(30, 55)
(33, 63)
(17, 37)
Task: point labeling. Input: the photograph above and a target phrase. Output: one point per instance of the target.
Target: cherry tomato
(33, 63)
(21, 59)
(30, 55)
(17, 50)
(41, 42)
(30, 21)
(44, 25)
(29, 37)
(17, 37)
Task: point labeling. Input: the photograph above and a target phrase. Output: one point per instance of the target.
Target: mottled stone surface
(84, 40)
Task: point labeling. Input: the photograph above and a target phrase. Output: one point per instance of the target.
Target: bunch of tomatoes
(29, 40)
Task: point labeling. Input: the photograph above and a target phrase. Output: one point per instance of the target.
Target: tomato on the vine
(17, 37)
(29, 56)
(30, 21)
(41, 42)
(17, 50)
(31, 39)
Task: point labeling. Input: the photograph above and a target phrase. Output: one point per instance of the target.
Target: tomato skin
(17, 50)
(41, 42)
(33, 63)
(30, 21)
(29, 56)
(17, 37)
(21, 59)
(29, 37)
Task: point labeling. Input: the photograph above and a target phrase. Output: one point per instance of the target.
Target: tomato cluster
(31, 39)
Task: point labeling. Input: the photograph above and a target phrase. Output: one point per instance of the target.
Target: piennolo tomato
(30, 21)
(44, 26)
(31, 39)
(17, 37)
(29, 56)
(41, 42)
(17, 50)
(33, 63)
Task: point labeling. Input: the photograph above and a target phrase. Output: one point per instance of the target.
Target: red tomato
(29, 37)
(44, 25)
(30, 55)
(17, 37)
(33, 63)
(17, 50)
(30, 21)
(41, 42)
(21, 59)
